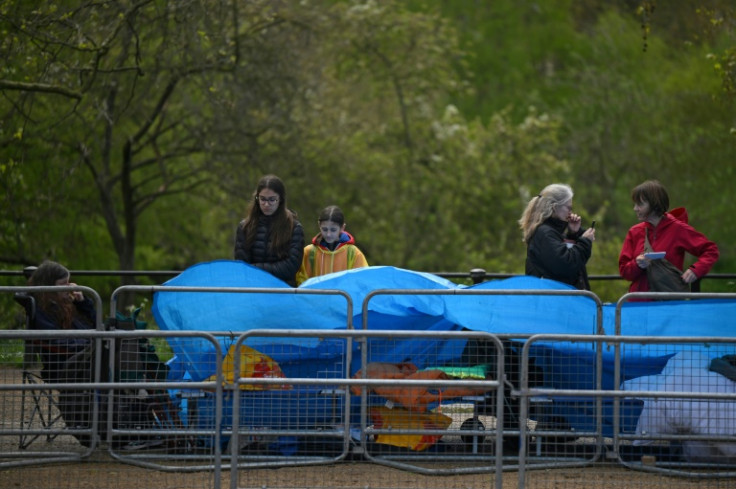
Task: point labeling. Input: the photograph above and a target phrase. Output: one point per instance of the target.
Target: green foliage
(133, 136)
(11, 353)
(94, 87)
(627, 114)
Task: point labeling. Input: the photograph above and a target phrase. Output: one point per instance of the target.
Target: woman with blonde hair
(557, 246)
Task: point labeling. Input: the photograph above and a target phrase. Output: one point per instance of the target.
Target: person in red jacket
(668, 232)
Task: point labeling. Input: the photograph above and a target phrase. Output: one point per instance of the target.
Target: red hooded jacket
(672, 235)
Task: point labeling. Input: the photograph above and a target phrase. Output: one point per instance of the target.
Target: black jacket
(259, 254)
(549, 256)
(56, 352)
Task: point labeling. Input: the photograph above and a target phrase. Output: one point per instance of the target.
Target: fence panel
(31, 409)
(669, 425)
(687, 422)
(77, 396)
(116, 418)
(399, 421)
(323, 424)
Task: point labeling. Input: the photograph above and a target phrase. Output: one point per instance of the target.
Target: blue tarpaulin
(407, 309)
(502, 314)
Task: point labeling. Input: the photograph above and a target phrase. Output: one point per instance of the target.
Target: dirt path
(101, 471)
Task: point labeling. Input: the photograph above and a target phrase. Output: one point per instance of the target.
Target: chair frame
(38, 403)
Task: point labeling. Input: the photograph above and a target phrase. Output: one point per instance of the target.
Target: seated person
(59, 310)
(65, 360)
(71, 360)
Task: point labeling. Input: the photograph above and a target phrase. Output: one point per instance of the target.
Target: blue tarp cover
(508, 314)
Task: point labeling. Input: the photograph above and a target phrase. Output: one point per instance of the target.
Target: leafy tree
(120, 107)
(626, 114)
(132, 136)
(99, 87)
(112, 103)
(707, 21)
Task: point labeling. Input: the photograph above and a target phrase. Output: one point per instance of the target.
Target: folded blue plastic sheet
(223, 311)
(238, 312)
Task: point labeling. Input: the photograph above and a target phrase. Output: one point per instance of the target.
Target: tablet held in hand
(655, 255)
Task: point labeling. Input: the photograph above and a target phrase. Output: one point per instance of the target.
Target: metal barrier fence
(661, 410)
(326, 422)
(680, 422)
(690, 406)
(41, 402)
(287, 428)
(388, 417)
(507, 405)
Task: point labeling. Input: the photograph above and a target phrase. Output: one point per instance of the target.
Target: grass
(163, 349)
(11, 353)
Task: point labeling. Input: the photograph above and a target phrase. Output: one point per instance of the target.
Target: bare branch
(39, 87)
(145, 201)
(398, 88)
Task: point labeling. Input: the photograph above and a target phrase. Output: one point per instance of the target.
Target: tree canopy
(132, 134)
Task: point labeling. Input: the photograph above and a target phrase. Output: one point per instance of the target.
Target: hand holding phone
(590, 232)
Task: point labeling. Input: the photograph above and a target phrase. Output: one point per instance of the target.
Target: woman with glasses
(557, 246)
(271, 236)
(332, 250)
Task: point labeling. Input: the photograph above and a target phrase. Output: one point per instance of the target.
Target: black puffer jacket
(259, 254)
(549, 256)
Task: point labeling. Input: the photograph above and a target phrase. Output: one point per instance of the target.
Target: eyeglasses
(267, 200)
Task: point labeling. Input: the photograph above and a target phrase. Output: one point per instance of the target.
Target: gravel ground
(102, 471)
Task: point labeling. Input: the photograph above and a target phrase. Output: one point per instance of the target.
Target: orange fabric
(412, 398)
(402, 419)
(253, 364)
(383, 370)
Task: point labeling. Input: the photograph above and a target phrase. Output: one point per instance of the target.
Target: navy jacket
(259, 254)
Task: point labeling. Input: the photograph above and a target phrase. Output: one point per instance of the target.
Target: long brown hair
(282, 220)
(57, 305)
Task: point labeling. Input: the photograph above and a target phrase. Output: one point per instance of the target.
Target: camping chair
(39, 407)
(142, 409)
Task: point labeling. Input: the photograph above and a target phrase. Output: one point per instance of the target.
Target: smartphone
(592, 225)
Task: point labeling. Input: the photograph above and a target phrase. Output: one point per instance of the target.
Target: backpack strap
(310, 258)
(351, 256)
(647, 245)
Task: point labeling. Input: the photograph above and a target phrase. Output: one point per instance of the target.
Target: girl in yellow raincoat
(332, 250)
